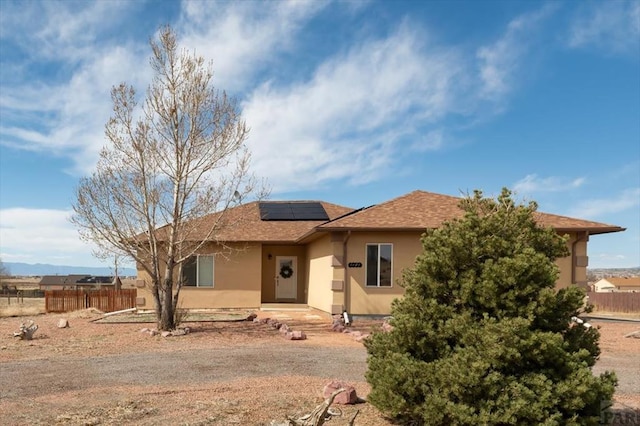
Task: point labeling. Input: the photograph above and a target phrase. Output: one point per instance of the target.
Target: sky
(350, 102)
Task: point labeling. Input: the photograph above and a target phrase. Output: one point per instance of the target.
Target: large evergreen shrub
(481, 335)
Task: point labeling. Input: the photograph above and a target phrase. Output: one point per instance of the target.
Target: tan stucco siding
(269, 271)
(363, 300)
(237, 277)
(320, 275)
(566, 277)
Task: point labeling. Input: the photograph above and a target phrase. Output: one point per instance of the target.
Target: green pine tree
(481, 336)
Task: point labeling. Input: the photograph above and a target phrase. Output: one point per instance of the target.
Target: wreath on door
(286, 271)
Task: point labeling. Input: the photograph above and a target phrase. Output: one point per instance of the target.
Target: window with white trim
(197, 271)
(379, 265)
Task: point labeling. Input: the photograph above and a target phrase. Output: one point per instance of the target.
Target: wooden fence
(106, 300)
(615, 302)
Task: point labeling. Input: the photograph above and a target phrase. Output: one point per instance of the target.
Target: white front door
(286, 277)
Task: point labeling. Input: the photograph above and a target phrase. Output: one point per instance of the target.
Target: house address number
(355, 264)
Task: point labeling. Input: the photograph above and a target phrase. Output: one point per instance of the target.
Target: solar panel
(292, 211)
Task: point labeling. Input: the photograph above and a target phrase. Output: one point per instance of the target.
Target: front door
(286, 277)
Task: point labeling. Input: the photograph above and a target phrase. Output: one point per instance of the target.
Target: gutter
(347, 287)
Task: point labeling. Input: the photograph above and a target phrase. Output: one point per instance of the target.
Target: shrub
(481, 335)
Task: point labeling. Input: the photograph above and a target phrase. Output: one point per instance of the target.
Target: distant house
(617, 284)
(74, 282)
(333, 258)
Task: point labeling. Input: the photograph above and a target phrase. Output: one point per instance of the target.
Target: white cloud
(612, 26)
(431, 141)
(499, 62)
(599, 259)
(241, 38)
(371, 104)
(352, 118)
(532, 183)
(40, 236)
(598, 207)
(66, 113)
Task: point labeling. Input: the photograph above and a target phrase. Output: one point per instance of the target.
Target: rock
(144, 330)
(178, 332)
(338, 328)
(153, 332)
(295, 335)
(284, 328)
(252, 316)
(257, 320)
(349, 395)
(187, 330)
(63, 323)
(264, 320)
(166, 334)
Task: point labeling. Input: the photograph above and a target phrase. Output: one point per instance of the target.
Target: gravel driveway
(183, 367)
(219, 374)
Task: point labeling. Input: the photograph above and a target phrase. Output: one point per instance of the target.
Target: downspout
(583, 236)
(347, 287)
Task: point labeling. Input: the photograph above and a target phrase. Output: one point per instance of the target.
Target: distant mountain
(40, 269)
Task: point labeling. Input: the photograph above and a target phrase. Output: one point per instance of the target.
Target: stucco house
(334, 258)
(615, 284)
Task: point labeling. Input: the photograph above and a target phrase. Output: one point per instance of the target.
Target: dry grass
(14, 307)
(26, 283)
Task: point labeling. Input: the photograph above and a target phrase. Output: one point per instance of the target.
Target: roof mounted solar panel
(292, 211)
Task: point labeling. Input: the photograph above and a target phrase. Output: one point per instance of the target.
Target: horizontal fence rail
(105, 300)
(615, 302)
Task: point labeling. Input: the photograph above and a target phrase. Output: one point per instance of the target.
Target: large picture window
(197, 271)
(379, 265)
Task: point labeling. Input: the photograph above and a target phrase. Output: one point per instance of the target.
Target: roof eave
(593, 231)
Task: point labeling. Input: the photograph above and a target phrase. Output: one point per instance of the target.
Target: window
(197, 271)
(379, 265)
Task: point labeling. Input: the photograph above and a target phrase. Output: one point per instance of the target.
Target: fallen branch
(26, 330)
(317, 417)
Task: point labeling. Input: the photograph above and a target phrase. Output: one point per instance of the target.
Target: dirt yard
(219, 374)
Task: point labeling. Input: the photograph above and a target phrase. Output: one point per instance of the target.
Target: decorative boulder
(284, 328)
(349, 395)
(63, 323)
(295, 335)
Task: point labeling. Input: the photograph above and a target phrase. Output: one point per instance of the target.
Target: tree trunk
(167, 320)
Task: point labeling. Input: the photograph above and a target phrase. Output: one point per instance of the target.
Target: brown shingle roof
(420, 210)
(61, 279)
(625, 281)
(243, 223)
(417, 210)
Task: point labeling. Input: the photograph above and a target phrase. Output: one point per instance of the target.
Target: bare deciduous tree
(4, 271)
(180, 156)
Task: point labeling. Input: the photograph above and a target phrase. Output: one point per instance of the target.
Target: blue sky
(349, 102)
